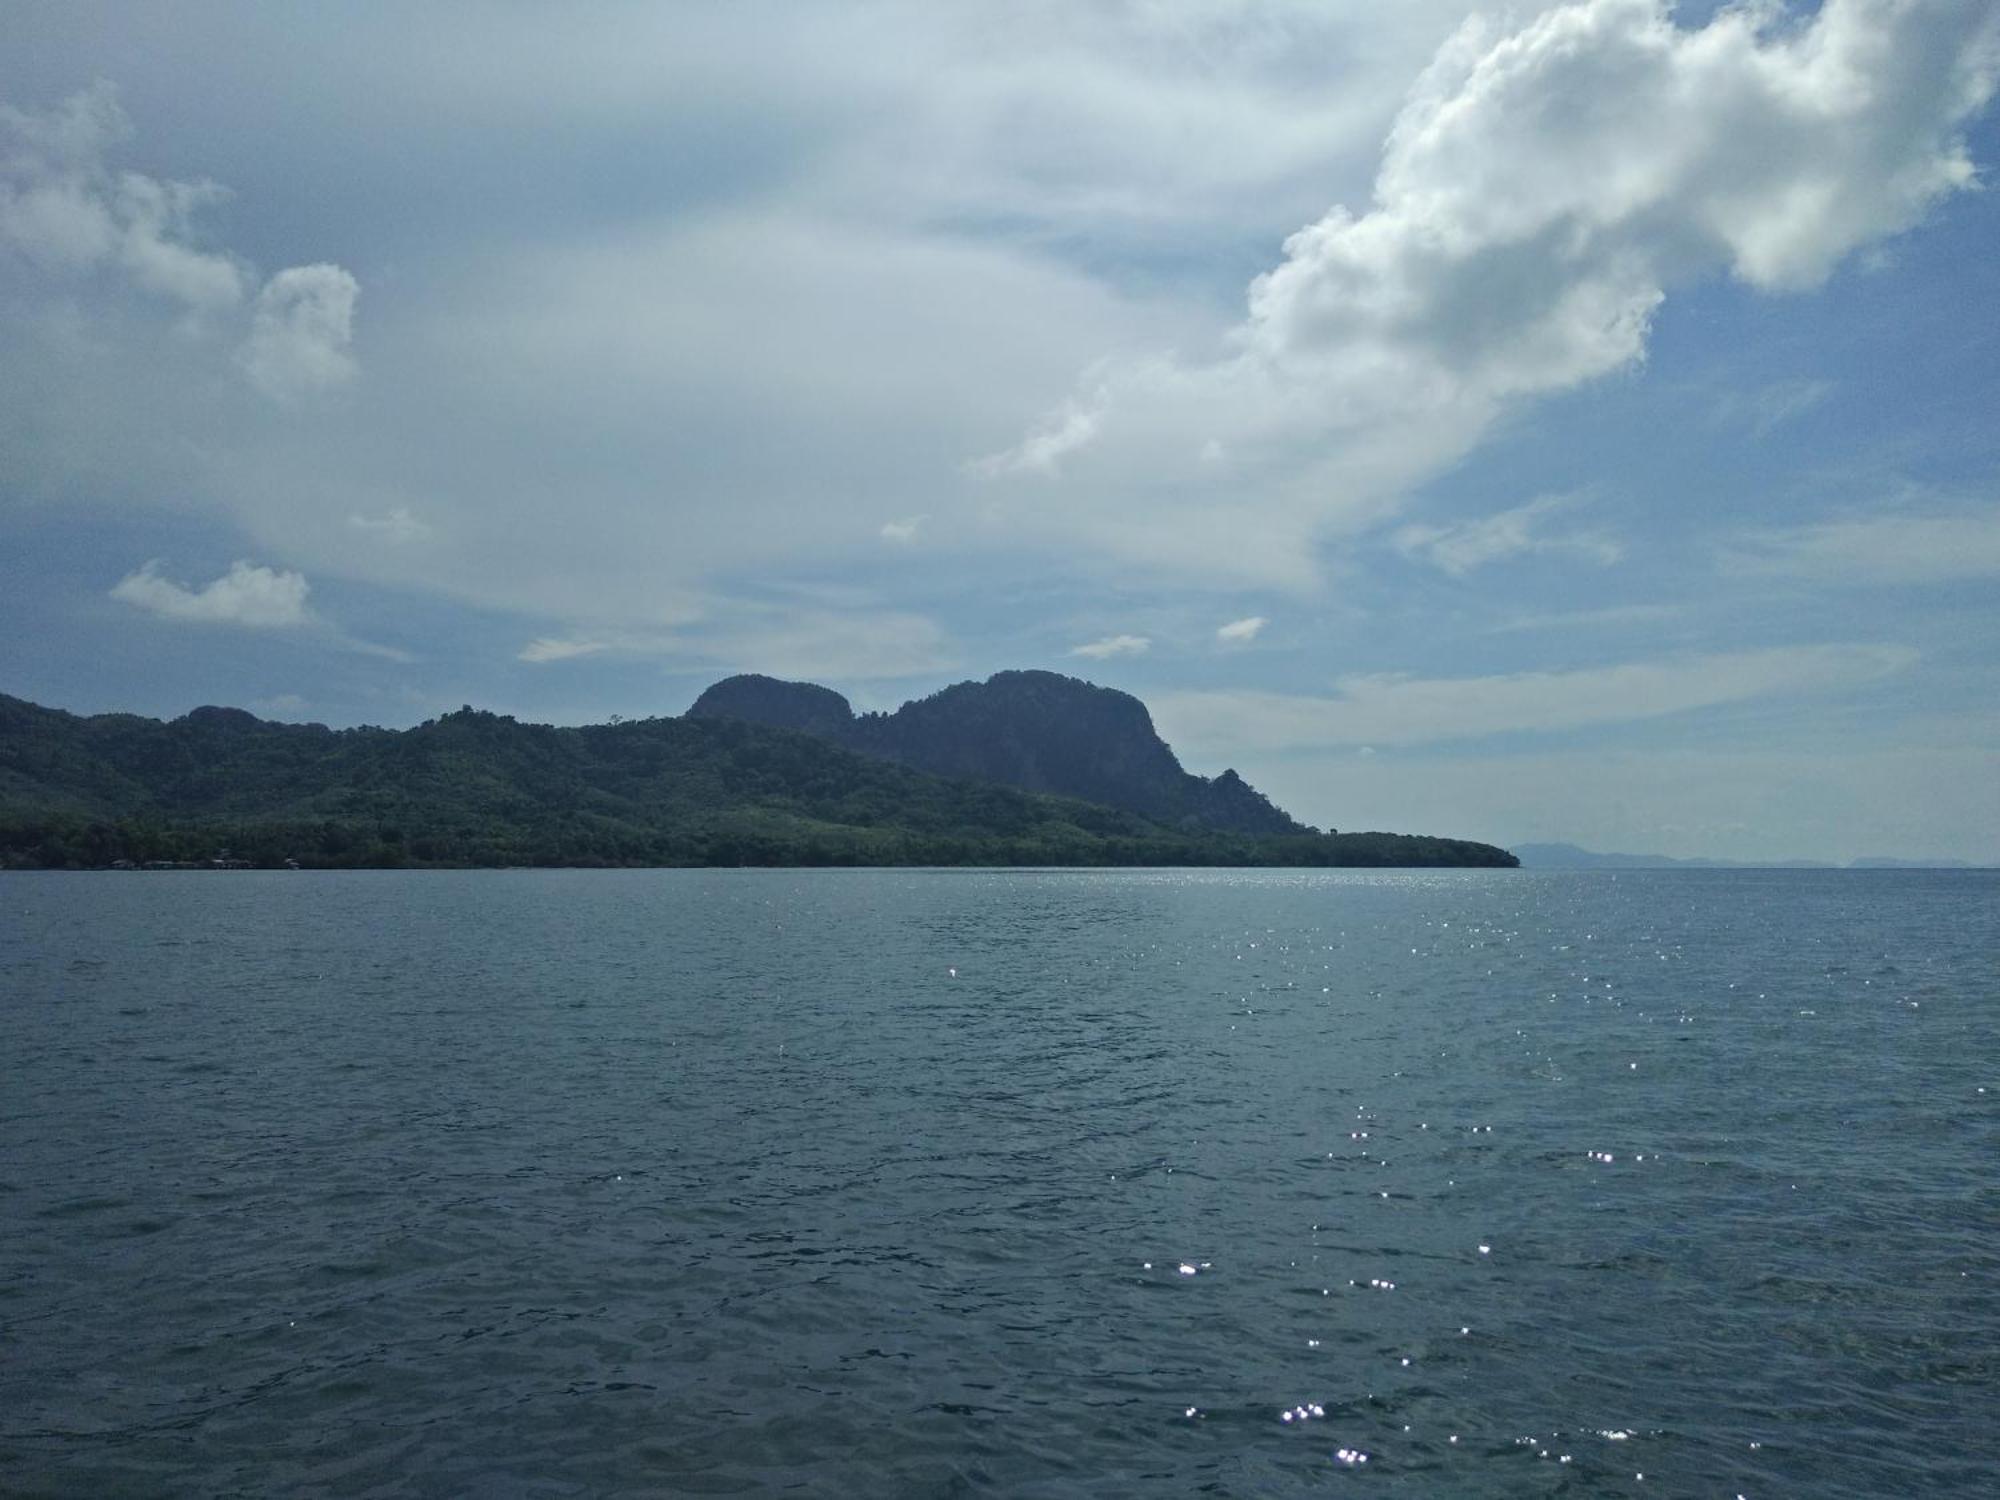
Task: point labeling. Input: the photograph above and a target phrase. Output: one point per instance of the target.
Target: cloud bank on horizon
(1547, 373)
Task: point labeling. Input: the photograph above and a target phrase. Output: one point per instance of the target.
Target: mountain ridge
(1036, 730)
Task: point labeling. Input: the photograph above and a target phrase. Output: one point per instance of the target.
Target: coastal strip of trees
(474, 789)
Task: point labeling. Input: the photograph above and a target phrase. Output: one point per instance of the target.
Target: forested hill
(1039, 731)
(475, 789)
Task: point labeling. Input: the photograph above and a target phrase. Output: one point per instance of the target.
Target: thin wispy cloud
(1590, 619)
(841, 645)
(1461, 547)
(1112, 645)
(801, 640)
(1895, 547)
(1389, 710)
(1766, 408)
(555, 648)
(396, 526)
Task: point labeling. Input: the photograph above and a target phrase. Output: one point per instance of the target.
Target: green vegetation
(478, 789)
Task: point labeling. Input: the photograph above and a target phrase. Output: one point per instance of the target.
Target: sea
(1010, 1183)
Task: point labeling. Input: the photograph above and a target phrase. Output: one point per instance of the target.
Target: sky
(1565, 422)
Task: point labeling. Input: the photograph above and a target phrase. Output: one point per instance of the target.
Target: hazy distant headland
(1028, 768)
(1570, 857)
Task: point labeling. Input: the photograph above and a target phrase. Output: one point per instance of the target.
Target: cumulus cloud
(1938, 547)
(300, 331)
(1393, 710)
(1542, 190)
(1241, 632)
(66, 209)
(744, 367)
(902, 532)
(1459, 549)
(1113, 645)
(248, 594)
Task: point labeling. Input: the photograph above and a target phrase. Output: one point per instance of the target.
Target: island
(1028, 768)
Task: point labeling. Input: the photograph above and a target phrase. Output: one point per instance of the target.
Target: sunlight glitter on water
(838, 1182)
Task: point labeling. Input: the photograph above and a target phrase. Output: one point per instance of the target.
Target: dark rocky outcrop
(1039, 731)
(755, 699)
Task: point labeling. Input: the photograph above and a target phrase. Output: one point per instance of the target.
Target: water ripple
(1025, 1183)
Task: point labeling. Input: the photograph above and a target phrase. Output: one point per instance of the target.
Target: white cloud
(1061, 432)
(1460, 548)
(902, 532)
(1540, 193)
(724, 364)
(67, 210)
(397, 526)
(64, 208)
(1241, 632)
(707, 400)
(248, 595)
(300, 332)
(1389, 710)
(1113, 645)
(554, 648)
(1940, 547)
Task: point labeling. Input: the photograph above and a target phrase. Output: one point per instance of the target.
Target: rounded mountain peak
(804, 706)
(209, 716)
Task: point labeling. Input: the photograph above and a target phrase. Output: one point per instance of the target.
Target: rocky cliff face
(1036, 730)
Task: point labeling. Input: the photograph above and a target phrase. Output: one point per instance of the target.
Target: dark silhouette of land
(711, 788)
(1038, 731)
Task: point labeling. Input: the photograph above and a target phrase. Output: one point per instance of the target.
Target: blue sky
(1560, 423)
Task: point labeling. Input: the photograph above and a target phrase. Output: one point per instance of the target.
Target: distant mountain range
(723, 786)
(1570, 857)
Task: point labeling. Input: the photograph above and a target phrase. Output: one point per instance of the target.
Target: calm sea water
(968, 1183)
